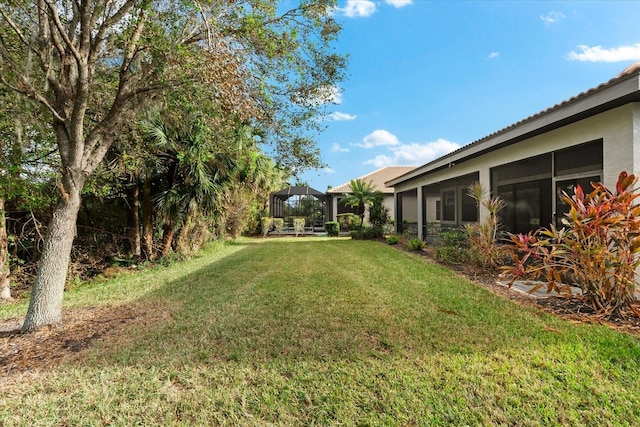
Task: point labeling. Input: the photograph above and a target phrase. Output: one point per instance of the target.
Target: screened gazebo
(299, 202)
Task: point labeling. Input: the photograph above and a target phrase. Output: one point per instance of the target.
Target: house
(335, 196)
(590, 137)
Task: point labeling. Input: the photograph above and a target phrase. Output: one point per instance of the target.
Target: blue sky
(427, 77)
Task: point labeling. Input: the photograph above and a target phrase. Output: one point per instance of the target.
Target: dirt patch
(52, 345)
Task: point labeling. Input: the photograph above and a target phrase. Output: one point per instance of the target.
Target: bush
(367, 233)
(378, 213)
(417, 244)
(278, 224)
(266, 223)
(484, 249)
(298, 225)
(348, 221)
(453, 247)
(393, 239)
(598, 249)
(332, 227)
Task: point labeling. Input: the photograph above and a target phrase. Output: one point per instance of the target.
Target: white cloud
(399, 3)
(378, 138)
(341, 117)
(493, 55)
(552, 17)
(336, 148)
(357, 8)
(600, 54)
(328, 170)
(335, 96)
(414, 153)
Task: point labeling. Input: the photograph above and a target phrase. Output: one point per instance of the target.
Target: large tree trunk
(5, 289)
(147, 220)
(45, 305)
(134, 220)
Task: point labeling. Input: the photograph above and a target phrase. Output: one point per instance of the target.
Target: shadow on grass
(337, 299)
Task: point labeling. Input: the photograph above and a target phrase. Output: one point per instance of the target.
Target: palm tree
(363, 194)
(194, 175)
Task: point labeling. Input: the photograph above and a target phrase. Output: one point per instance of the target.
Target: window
(528, 205)
(448, 203)
(469, 208)
(580, 159)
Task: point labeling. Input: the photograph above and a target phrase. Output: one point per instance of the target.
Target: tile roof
(377, 178)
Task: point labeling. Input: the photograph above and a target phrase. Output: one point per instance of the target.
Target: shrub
(598, 249)
(393, 239)
(298, 225)
(417, 244)
(332, 227)
(368, 233)
(453, 247)
(348, 221)
(484, 249)
(378, 212)
(278, 224)
(266, 223)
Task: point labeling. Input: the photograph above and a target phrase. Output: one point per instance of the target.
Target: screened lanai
(299, 202)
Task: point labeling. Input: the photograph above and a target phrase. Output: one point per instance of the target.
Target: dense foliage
(332, 227)
(485, 251)
(164, 123)
(597, 250)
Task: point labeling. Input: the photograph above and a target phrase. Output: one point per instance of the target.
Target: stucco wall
(618, 128)
(409, 207)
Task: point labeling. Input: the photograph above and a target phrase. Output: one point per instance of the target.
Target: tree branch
(62, 31)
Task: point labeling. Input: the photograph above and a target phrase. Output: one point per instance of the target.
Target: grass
(330, 331)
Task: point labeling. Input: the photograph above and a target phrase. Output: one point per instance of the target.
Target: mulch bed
(49, 346)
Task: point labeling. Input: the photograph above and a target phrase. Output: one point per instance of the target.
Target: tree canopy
(91, 66)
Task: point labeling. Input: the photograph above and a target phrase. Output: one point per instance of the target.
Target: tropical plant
(378, 212)
(597, 250)
(194, 176)
(362, 194)
(417, 244)
(484, 249)
(394, 239)
(98, 63)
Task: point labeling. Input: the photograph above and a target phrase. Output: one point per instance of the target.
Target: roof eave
(618, 91)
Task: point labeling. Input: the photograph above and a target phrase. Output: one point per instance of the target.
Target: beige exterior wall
(618, 128)
(410, 208)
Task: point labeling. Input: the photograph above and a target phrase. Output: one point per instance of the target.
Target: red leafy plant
(597, 250)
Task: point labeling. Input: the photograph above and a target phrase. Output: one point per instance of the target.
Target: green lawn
(331, 332)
